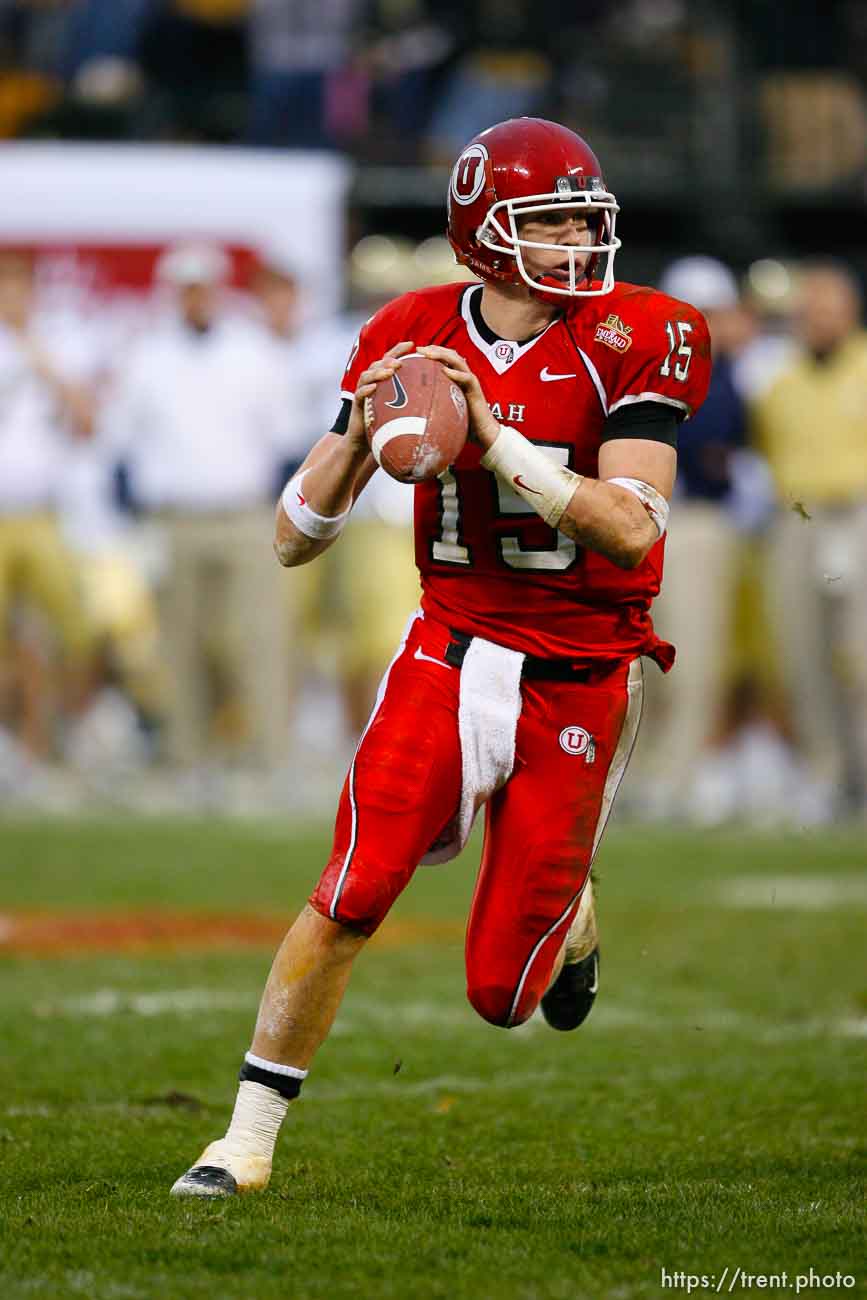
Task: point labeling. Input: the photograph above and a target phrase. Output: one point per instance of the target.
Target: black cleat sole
(569, 1000)
(205, 1180)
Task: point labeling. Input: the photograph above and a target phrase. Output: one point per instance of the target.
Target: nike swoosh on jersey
(420, 654)
(521, 484)
(595, 985)
(547, 378)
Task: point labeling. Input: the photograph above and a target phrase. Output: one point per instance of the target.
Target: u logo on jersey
(576, 741)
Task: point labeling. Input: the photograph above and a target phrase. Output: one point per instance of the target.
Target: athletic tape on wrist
(315, 526)
(544, 485)
(654, 502)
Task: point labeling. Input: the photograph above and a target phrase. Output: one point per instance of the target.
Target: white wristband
(654, 502)
(315, 526)
(544, 485)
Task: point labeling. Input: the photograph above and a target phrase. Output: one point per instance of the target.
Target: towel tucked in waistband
(489, 708)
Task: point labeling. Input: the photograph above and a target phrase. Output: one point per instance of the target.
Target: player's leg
(853, 617)
(376, 585)
(683, 708)
(182, 615)
(402, 788)
(542, 829)
(301, 998)
(261, 647)
(48, 577)
(797, 601)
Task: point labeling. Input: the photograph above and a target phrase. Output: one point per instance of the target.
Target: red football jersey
(489, 565)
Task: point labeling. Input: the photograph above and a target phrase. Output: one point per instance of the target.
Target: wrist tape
(654, 502)
(544, 485)
(315, 526)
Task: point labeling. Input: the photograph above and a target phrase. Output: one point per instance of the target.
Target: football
(416, 421)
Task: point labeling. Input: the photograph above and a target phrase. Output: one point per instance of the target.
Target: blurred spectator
(276, 287)
(307, 90)
(408, 47)
(30, 41)
(369, 586)
(505, 70)
(765, 345)
(812, 424)
(194, 54)
(112, 564)
(45, 402)
(96, 30)
(33, 33)
(198, 416)
(696, 607)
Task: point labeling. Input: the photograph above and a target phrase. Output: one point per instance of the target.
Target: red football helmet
(528, 165)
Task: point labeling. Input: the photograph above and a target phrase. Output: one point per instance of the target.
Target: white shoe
(222, 1170)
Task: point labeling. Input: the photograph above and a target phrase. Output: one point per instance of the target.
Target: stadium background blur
(202, 200)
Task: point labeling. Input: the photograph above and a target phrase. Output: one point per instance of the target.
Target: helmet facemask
(499, 233)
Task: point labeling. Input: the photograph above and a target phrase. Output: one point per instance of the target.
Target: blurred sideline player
(817, 578)
(46, 403)
(278, 288)
(200, 417)
(369, 586)
(519, 682)
(696, 607)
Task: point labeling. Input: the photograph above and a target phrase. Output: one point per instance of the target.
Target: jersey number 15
(449, 549)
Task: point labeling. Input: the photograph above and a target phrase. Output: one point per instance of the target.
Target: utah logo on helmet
(530, 166)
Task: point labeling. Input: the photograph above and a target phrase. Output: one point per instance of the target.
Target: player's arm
(75, 401)
(621, 520)
(316, 502)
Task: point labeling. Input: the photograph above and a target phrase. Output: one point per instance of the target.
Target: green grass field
(709, 1116)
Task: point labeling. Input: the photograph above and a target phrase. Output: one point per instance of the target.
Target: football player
(518, 684)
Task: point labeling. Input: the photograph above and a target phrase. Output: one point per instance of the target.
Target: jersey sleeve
(667, 357)
(392, 324)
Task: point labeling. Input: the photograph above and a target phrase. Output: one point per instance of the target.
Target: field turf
(709, 1116)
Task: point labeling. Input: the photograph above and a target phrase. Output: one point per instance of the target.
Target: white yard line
(795, 893)
(117, 1002)
(362, 1014)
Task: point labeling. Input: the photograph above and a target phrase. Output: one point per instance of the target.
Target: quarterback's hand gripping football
(483, 427)
(382, 369)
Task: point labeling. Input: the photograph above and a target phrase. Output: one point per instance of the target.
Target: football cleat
(221, 1171)
(569, 1000)
(205, 1180)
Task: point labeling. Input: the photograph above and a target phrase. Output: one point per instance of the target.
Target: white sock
(256, 1120)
